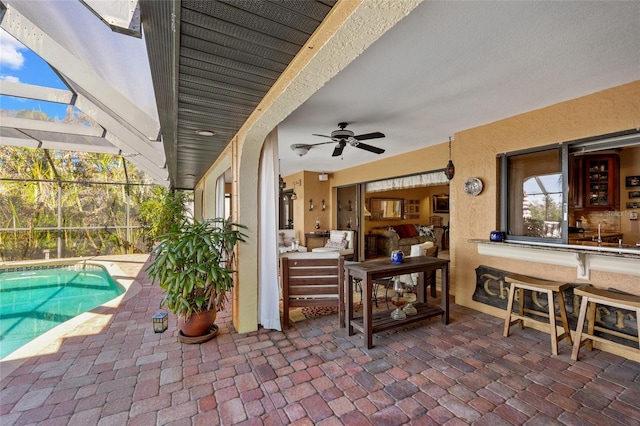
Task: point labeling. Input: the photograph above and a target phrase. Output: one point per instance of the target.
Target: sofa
(402, 237)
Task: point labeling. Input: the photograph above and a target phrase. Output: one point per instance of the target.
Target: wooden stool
(522, 282)
(591, 296)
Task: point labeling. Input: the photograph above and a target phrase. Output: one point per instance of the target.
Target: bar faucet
(599, 235)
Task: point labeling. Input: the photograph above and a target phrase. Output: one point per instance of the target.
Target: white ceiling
(451, 66)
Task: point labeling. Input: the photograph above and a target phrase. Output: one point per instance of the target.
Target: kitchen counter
(611, 237)
(621, 260)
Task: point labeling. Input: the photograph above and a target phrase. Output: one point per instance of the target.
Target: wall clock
(473, 186)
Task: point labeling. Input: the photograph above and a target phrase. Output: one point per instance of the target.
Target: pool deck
(110, 368)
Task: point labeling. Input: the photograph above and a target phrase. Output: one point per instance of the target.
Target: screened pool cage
(59, 204)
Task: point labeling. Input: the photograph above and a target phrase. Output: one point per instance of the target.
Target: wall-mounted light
(323, 205)
(294, 196)
(310, 204)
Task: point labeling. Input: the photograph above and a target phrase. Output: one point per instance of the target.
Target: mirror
(386, 208)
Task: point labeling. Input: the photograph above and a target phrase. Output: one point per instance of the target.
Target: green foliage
(95, 208)
(193, 264)
(164, 212)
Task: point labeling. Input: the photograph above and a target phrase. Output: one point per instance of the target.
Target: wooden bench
(523, 282)
(312, 279)
(592, 296)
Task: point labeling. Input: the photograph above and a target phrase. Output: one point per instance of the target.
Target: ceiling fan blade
(322, 136)
(321, 143)
(337, 151)
(369, 148)
(374, 135)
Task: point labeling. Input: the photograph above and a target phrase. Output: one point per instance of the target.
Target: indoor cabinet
(595, 182)
(601, 182)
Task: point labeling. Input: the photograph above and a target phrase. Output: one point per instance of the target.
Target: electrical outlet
(633, 215)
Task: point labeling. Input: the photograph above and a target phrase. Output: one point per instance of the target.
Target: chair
(435, 221)
(376, 284)
(425, 249)
(596, 296)
(340, 242)
(522, 283)
(312, 279)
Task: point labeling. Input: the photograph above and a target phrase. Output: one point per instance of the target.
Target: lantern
(160, 321)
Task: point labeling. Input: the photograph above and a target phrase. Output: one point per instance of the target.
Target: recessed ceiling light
(205, 132)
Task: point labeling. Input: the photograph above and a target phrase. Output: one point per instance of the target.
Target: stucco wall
(475, 153)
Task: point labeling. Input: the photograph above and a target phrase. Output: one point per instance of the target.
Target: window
(535, 194)
(543, 189)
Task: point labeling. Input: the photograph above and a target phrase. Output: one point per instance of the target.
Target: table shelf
(370, 271)
(382, 321)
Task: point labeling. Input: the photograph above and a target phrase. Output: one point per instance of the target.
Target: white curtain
(268, 286)
(220, 196)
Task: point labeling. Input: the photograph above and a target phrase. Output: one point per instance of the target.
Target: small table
(367, 272)
(316, 239)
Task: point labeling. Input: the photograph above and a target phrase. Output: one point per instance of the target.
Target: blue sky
(19, 64)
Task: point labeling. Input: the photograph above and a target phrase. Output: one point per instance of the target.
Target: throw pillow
(400, 231)
(406, 231)
(425, 231)
(337, 236)
(336, 244)
(411, 231)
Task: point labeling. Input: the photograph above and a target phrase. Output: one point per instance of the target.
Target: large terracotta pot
(198, 324)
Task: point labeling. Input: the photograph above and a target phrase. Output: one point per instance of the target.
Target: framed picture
(633, 205)
(441, 203)
(633, 181)
(634, 194)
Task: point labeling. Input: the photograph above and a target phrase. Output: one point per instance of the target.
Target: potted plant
(193, 264)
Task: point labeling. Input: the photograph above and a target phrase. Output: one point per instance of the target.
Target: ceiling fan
(341, 138)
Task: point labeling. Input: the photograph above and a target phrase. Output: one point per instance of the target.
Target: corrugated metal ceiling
(226, 57)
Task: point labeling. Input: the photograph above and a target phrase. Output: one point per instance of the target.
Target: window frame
(593, 144)
(563, 155)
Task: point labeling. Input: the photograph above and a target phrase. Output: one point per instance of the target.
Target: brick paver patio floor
(122, 373)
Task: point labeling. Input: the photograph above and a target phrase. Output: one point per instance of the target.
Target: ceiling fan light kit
(341, 138)
(300, 149)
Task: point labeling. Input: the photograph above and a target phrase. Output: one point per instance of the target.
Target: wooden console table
(315, 239)
(367, 272)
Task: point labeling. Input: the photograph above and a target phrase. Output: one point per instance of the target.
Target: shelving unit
(594, 182)
(599, 182)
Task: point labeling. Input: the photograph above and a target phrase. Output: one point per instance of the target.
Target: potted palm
(193, 264)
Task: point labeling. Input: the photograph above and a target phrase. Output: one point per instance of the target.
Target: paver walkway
(463, 373)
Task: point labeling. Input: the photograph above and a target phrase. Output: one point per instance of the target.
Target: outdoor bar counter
(622, 260)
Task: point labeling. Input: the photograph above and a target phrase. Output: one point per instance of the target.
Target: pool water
(33, 301)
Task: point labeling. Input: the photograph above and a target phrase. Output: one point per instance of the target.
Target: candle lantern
(160, 321)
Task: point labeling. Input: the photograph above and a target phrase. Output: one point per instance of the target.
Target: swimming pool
(36, 299)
